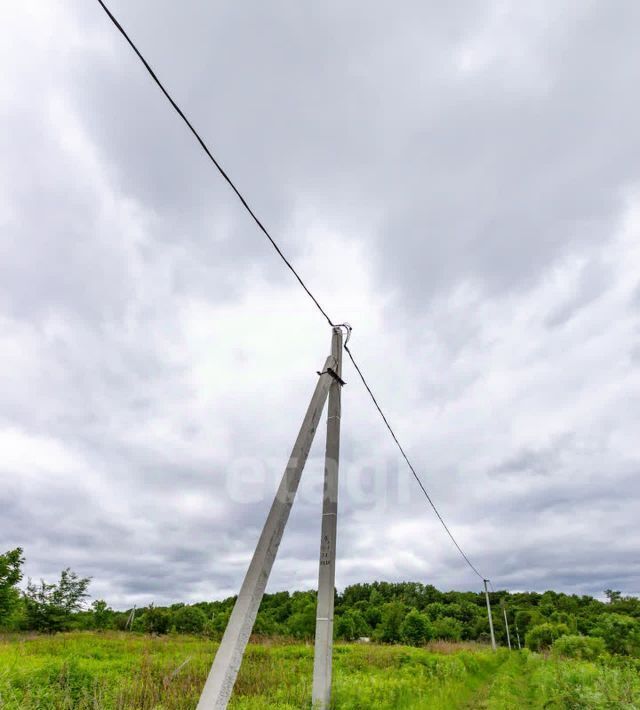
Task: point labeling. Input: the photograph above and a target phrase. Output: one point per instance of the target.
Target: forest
(411, 613)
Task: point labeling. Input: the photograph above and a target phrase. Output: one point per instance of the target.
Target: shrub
(447, 629)
(155, 620)
(581, 647)
(541, 637)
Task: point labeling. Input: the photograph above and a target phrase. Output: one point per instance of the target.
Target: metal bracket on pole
(333, 373)
(223, 673)
(493, 636)
(321, 688)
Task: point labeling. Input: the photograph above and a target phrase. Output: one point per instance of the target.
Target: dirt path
(509, 688)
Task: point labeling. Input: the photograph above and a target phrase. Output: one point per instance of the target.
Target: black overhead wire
(409, 464)
(221, 170)
(264, 230)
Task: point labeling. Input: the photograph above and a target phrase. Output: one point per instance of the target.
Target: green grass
(114, 671)
(530, 680)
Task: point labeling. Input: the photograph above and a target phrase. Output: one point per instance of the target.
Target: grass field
(111, 670)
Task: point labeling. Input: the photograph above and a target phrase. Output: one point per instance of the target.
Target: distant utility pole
(223, 673)
(518, 637)
(321, 689)
(132, 616)
(493, 636)
(506, 622)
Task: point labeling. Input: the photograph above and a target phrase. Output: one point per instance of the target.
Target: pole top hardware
(334, 374)
(347, 328)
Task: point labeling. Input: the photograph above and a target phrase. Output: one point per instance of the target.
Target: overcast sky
(460, 182)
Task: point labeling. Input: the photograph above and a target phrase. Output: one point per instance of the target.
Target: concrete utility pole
(223, 673)
(506, 623)
(321, 689)
(132, 616)
(493, 636)
(518, 637)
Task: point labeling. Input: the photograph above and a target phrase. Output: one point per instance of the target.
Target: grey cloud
(541, 462)
(530, 174)
(594, 279)
(116, 265)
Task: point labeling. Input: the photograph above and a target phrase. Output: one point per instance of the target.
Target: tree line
(388, 612)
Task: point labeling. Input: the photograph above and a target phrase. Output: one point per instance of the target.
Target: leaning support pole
(222, 676)
(321, 689)
(506, 624)
(493, 636)
(130, 619)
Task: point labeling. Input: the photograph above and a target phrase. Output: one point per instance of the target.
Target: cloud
(460, 183)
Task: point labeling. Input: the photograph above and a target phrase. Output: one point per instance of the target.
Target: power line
(220, 169)
(264, 230)
(406, 458)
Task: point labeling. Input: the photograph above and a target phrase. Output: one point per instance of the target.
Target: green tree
(266, 623)
(527, 618)
(437, 610)
(373, 616)
(302, 623)
(102, 615)
(562, 617)
(10, 574)
(375, 598)
(215, 627)
(620, 633)
(49, 607)
(388, 630)
(189, 620)
(613, 595)
(469, 612)
(415, 630)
